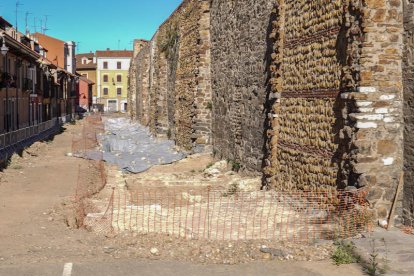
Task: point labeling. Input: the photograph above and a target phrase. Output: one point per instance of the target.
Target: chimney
(108, 49)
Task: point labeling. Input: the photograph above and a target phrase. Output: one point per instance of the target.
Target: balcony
(7, 80)
(27, 84)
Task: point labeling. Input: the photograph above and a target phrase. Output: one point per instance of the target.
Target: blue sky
(96, 24)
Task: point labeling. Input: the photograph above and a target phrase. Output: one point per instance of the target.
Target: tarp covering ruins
(132, 147)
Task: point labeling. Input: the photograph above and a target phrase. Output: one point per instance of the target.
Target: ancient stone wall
(306, 69)
(173, 88)
(186, 81)
(337, 90)
(134, 77)
(239, 61)
(193, 95)
(158, 93)
(142, 71)
(408, 76)
(308, 91)
(378, 119)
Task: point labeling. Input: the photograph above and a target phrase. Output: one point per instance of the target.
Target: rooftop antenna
(27, 24)
(34, 24)
(78, 46)
(45, 28)
(119, 44)
(17, 9)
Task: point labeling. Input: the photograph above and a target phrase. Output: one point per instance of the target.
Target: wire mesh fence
(227, 215)
(87, 139)
(207, 213)
(92, 174)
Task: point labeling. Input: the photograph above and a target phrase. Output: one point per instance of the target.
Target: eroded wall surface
(173, 77)
(307, 92)
(408, 70)
(336, 119)
(142, 71)
(305, 115)
(240, 70)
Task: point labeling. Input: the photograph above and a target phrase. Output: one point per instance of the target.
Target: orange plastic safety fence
(223, 215)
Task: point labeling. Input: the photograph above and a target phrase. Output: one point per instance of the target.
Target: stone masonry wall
(377, 117)
(133, 77)
(305, 116)
(337, 91)
(309, 92)
(408, 76)
(142, 71)
(172, 72)
(239, 71)
(186, 81)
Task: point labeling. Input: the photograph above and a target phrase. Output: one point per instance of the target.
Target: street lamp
(4, 49)
(47, 73)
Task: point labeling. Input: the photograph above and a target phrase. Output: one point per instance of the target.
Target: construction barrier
(92, 174)
(236, 215)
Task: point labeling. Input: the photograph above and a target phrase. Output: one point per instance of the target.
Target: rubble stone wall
(309, 92)
(134, 77)
(142, 70)
(335, 121)
(306, 83)
(173, 85)
(378, 118)
(239, 70)
(408, 76)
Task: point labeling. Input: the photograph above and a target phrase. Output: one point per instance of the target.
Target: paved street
(395, 250)
(143, 268)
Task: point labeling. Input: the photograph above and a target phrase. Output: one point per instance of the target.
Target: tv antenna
(78, 46)
(35, 24)
(27, 23)
(44, 27)
(18, 4)
(119, 44)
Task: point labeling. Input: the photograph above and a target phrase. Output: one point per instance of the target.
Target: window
(105, 91)
(105, 78)
(85, 75)
(118, 65)
(105, 65)
(119, 91)
(119, 78)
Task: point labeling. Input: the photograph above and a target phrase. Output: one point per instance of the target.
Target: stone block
(374, 194)
(367, 117)
(366, 125)
(386, 147)
(388, 161)
(367, 89)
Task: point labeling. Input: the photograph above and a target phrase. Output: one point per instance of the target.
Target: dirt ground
(33, 229)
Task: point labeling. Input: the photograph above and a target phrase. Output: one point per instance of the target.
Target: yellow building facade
(112, 79)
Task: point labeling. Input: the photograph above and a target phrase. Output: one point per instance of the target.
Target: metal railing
(19, 136)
